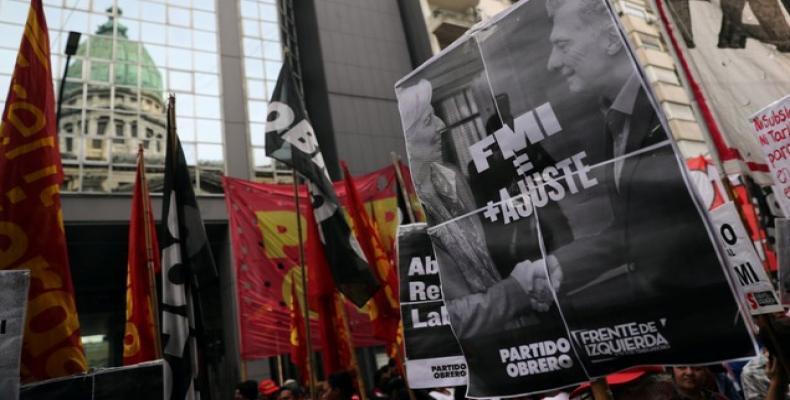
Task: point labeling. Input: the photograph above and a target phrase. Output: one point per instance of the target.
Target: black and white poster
(13, 303)
(433, 357)
(568, 242)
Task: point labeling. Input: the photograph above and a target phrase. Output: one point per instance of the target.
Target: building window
(118, 128)
(96, 144)
(101, 125)
(263, 57)
(127, 52)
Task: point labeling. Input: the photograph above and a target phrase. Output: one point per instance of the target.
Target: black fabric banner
(187, 265)
(141, 381)
(569, 244)
(290, 138)
(433, 357)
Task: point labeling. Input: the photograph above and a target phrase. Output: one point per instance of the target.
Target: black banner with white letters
(290, 138)
(568, 242)
(433, 357)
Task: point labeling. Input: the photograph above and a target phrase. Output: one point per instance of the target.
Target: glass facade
(263, 57)
(131, 54)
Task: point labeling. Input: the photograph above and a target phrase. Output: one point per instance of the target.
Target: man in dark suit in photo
(656, 251)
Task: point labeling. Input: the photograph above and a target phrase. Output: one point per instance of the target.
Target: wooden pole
(402, 184)
(149, 254)
(600, 389)
(306, 305)
(340, 305)
(280, 372)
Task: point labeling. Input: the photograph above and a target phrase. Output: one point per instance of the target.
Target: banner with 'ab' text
(433, 357)
(31, 219)
(568, 240)
(266, 256)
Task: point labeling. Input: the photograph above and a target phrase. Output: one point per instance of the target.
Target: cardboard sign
(13, 303)
(746, 270)
(772, 126)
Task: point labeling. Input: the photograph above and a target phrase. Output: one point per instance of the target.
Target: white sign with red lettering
(746, 270)
(772, 125)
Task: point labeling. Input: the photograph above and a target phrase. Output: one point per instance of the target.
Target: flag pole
(149, 254)
(600, 389)
(402, 184)
(306, 308)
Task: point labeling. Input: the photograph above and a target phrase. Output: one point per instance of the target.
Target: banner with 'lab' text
(433, 357)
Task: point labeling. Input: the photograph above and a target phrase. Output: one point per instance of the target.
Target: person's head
(584, 41)
(341, 386)
(421, 126)
(268, 388)
(689, 379)
(290, 393)
(247, 390)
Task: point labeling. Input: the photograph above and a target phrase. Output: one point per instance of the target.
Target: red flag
(31, 219)
(140, 341)
(299, 354)
(332, 325)
(383, 307)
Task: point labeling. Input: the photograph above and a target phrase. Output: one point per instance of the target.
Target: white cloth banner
(746, 270)
(772, 126)
(13, 302)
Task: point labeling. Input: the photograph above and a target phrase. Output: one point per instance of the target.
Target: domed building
(103, 82)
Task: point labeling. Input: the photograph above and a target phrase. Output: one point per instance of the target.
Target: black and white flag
(187, 263)
(290, 138)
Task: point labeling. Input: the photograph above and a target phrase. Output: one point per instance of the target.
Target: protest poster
(736, 54)
(772, 127)
(433, 357)
(783, 255)
(746, 270)
(13, 303)
(568, 242)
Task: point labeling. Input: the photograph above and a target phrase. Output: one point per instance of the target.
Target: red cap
(267, 387)
(621, 378)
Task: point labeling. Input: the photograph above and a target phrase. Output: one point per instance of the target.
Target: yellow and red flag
(140, 340)
(299, 354)
(383, 308)
(31, 219)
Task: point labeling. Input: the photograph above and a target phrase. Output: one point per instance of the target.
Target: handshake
(532, 277)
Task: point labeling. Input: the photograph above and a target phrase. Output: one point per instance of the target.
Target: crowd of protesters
(760, 378)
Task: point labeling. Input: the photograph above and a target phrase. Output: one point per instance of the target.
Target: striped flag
(187, 263)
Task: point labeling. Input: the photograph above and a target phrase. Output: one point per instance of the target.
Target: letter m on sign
(746, 274)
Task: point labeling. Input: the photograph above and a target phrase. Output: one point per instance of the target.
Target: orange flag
(141, 340)
(298, 335)
(31, 220)
(383, 307)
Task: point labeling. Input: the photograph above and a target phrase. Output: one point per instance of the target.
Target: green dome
(131, 60)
